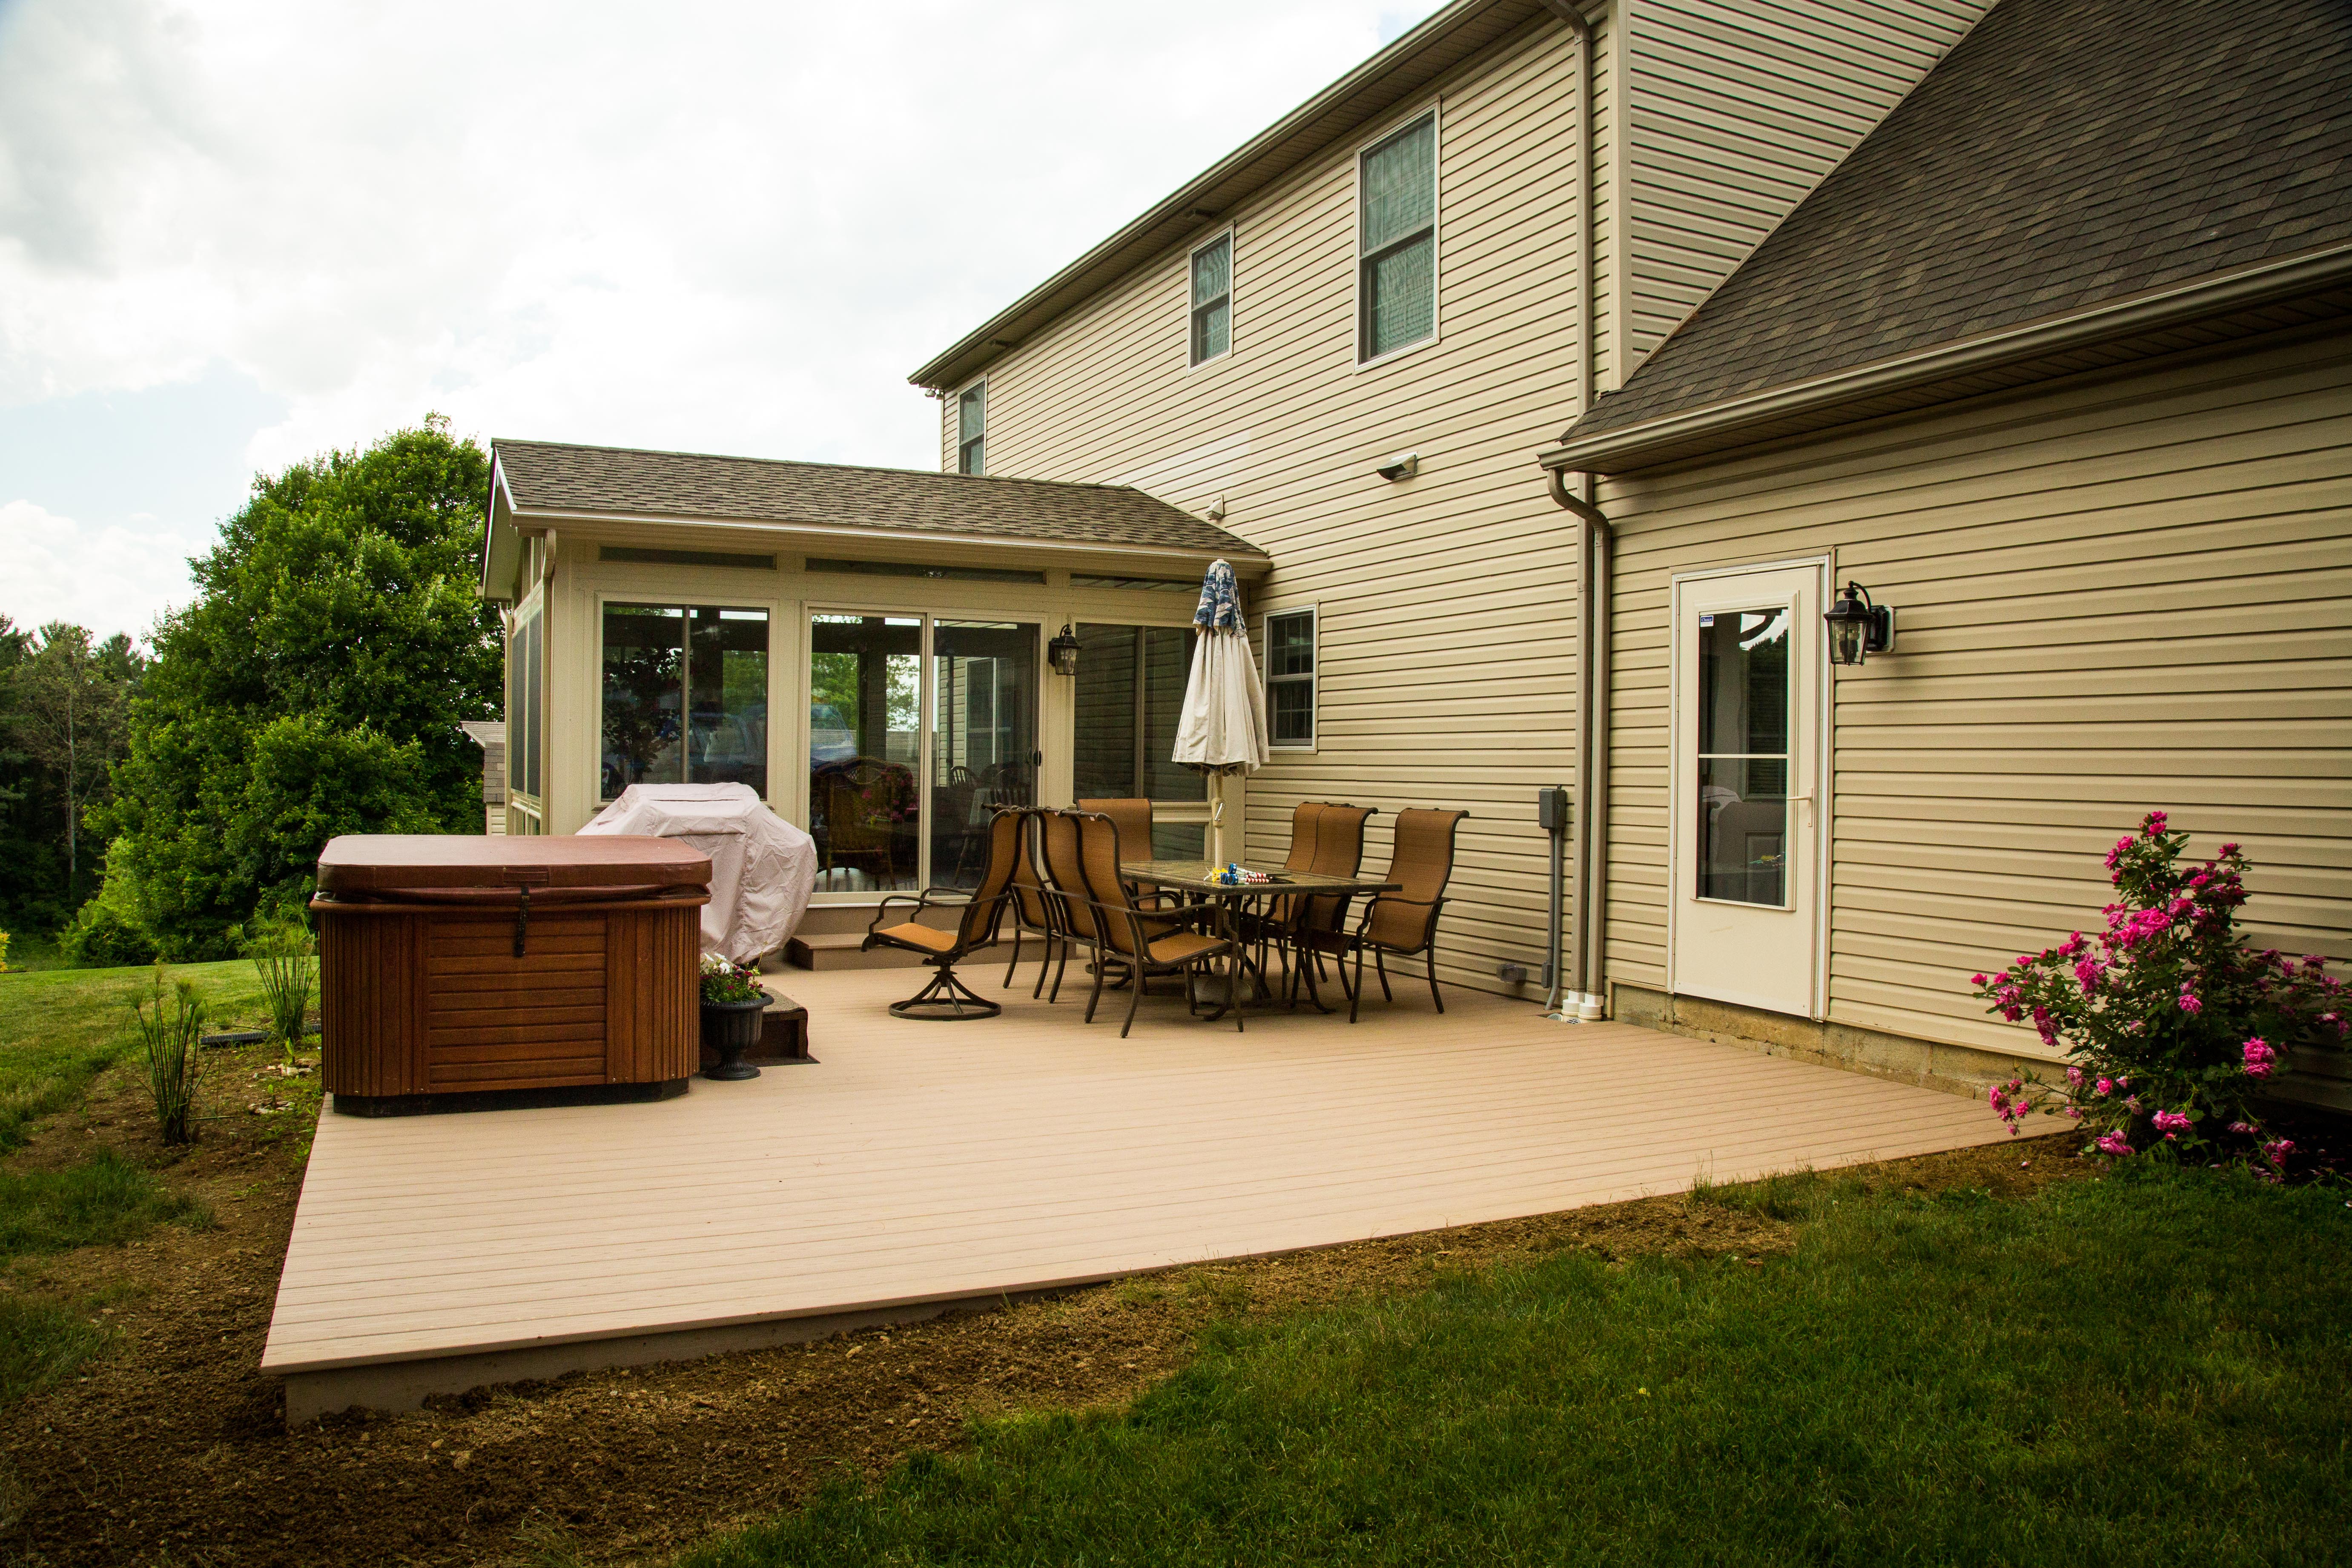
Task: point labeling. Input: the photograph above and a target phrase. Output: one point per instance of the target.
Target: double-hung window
(1396, 278)
(1213, 298)
(1290, 678)
(972, 429)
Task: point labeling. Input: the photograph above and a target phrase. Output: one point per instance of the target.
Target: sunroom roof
(553, 483)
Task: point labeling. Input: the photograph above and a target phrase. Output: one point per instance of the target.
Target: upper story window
(1213, 298)
(1396, 280)
(972, 429)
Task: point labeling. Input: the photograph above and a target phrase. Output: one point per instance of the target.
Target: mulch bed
(171, 1446)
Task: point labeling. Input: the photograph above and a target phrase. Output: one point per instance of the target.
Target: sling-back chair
(1335, 832)
(1134, 819)
(1031, 909)
(1403, 922)
(1147, 943)
(980, 910)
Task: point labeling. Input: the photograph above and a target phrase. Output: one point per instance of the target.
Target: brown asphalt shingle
(2064, 154)
(547, 476)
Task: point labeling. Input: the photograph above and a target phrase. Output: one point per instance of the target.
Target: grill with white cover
(762, 868)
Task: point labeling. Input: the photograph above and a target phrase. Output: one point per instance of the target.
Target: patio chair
(861, 816)
(981, 912)
(1067, 906)
(1134, 820)
(1403, 922)
(1147, 943)
(1032, 909)
(1333, 846)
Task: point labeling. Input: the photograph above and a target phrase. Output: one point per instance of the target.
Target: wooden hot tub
(509, 970)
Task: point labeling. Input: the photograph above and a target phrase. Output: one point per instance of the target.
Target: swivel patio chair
(981, 911)
(1403, 922)
(1148, 943)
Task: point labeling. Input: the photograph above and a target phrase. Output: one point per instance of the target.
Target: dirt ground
(170, 1446)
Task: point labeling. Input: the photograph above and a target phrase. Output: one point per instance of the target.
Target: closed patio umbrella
(1222, 729)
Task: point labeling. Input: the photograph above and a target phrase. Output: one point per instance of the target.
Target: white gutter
(2246, 288)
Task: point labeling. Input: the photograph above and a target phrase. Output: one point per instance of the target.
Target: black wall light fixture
(1858, 628)
(1062, 651)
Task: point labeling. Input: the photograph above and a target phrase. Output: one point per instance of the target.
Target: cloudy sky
(237, 233)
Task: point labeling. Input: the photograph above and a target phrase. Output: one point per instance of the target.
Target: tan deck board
(931, 1162)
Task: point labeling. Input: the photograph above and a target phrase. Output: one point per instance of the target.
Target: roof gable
(2065, 154)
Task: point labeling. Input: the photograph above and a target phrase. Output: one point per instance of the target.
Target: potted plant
(733, 1006)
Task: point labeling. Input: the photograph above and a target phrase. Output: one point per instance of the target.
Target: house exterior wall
(2130, 593)
(1446, 639)
(1732, 112)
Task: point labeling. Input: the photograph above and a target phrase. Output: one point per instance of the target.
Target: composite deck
(917, 1164)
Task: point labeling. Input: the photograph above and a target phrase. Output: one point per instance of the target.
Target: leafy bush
(170, 1039)
(106, 932)
(2171, 1023)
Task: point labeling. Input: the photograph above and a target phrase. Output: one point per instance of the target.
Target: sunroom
(883, 655)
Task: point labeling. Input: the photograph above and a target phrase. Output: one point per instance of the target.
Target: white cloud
(62, 570)
(733, 227)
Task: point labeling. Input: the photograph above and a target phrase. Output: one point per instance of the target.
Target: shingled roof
(2063, 155)
(550, 477)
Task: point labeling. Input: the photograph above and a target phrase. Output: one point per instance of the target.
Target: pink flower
(2113, 1144)
(2155, 823)
(2245, 1126)
(2107, 1086)
(2132, 1105)
(2260, 1058)
(1977, 979)
(2074, 1113)
(2074, 1076)
(2278, 1148)
(2189, 1004)
(2170, 1122)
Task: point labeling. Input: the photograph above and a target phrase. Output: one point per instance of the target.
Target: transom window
(1213, 298)
(972, 429)
(1290, 680)
(1396, 285)
(685, 697)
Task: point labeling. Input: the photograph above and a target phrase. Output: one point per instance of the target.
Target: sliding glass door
(918, 727)
(1129, 697)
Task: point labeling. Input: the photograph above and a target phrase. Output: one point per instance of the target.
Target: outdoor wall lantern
(1064, 652)
(1858, 627)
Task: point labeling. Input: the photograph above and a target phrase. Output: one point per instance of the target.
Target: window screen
(1213, 298)
(1397, 283)
(972, 429)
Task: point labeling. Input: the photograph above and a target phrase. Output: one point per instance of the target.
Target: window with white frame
(1213, 298)
(1396, 278)
(972, 429)
(1290, 678)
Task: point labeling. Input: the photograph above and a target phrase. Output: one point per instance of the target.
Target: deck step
(839, 949)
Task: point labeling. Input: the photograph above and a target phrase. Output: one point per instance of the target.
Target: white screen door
(1745, 872)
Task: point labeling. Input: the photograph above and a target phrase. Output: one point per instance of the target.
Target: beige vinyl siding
(2132, 593)
(1738, 108)
(1445, 664)
(1609, 139)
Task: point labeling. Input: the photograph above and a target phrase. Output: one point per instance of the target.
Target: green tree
(313, 688)
(68, 700)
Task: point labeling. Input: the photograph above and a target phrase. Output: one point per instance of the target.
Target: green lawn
(2148, 1369)
(59, 1028)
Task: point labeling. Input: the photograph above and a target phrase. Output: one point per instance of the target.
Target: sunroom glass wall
(685, 697)
(864, 735)
(984, 738)
(1129, 699)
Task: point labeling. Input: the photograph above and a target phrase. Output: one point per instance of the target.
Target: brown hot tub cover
(464, 965)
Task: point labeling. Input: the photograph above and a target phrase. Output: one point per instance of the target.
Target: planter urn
(731, 1028)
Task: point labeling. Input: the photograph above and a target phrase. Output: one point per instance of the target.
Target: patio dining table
(1197, 879)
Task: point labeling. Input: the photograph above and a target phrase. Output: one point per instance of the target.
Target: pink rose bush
(2170, 1021)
